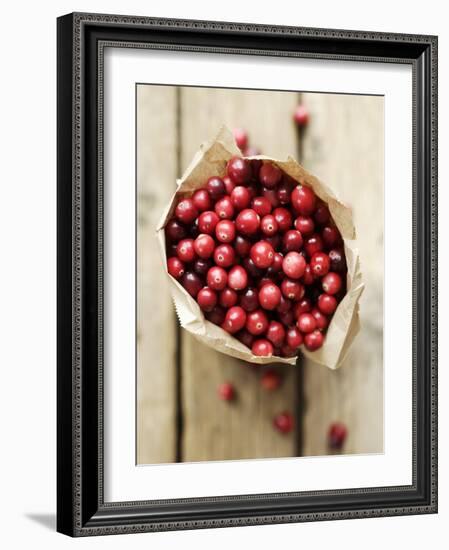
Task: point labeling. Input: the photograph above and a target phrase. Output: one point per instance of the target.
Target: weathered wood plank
(343, 145)
(215, 430)
(156, 323)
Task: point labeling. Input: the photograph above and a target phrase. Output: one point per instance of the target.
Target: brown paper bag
(211, 160)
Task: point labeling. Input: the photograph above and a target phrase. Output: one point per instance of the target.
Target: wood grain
(156, 323)
(344, 146)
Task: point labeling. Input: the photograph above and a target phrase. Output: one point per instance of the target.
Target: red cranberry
(276, 266)
(303, 200)
(269, 175)
(321, 320)
(294, 265)
(322, 214)
(251, 268)
(293, 290)
(306, 322)
(284, 192)
(276, 333)
(305, 225)
(175, 267)
(269, 296)
(225, 231)
(294, 338)
(249, 300)
(303, 306)
(287, 318)
(204, 246)
(226, 391)
(313, 244)
(241, 137)
(239, 170)
(216, 316)
(224, 208)
(201, 200)
(229, 184)
(287, 351)
(228, 297)
(245, 337)
(284, 305)
(268, 225)
(217, 278)
(207, 299)
(201, 266)
(327, 304)
(261, 205)
(314, 340)
(301, 115)
(186, 250)
(242, 246)
(272, 196)
(283, 217)
(235, 319)
(308, 278)
(337, 435)
(247, 222)
(292, 240)
(186, 211)
(284, 422)
(338, 262)
(215, 187)
(207, 222)
(331, 236)
(192, 283)
(257, 322)
(262, 348)
(332, 283)
(237, 278)
(240, 197)
(320, 264)
(262, 254)
(224, 255)
(270, 380)
(175, 231)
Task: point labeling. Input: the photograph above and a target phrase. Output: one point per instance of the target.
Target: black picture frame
(81, 510)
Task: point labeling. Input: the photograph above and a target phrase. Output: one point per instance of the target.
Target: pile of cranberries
(261, 255)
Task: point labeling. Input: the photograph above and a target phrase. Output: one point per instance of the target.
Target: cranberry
(269, 296)
(207, 222)
(287, 318)
(294, 338)
(245, 337)
(314, 340)
(241, 137)
(247, 222)
(237, 278)
(224, 208)
(287, 351)
(253, 190)
(303, 200)
(301, 115)
(321, 320)
(308, 278)
(229, 184)
(272, 196)
(292, 240)
(216, 316)
(226, 391)
(249, 300)
(224, 255)
(276, 266)
(240, 197)
(261, 205)
(235, 319)
(201, 200)
(175, 267)
(306, 322)
(264, 281)
(270, 380)
(283, 217)
(332, 283)
(251, 268)
(225, 231)
(175, 231)
(268, 225)
(215, 187)
(186, 211)
(284, 305)
(276, 333)
(331, 236)
(207, 299)
(322, 214)
(186, 250)
(201, 266)
(320, 264)
(294, 265)
(313, 244)
(337, 258)
(257, 322)
(284, 422)
(269, 175)
(327, 304)
(239, 170)
(204, 246)
(217, 278)
(228, 297)
(284, 191)
(337, 435)
(242, 246)
(262, 254)
(293, 290)
(305, 225)
(192, 283)
(303, 306)
(262, 348)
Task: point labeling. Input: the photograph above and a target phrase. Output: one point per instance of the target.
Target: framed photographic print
(247, 278)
